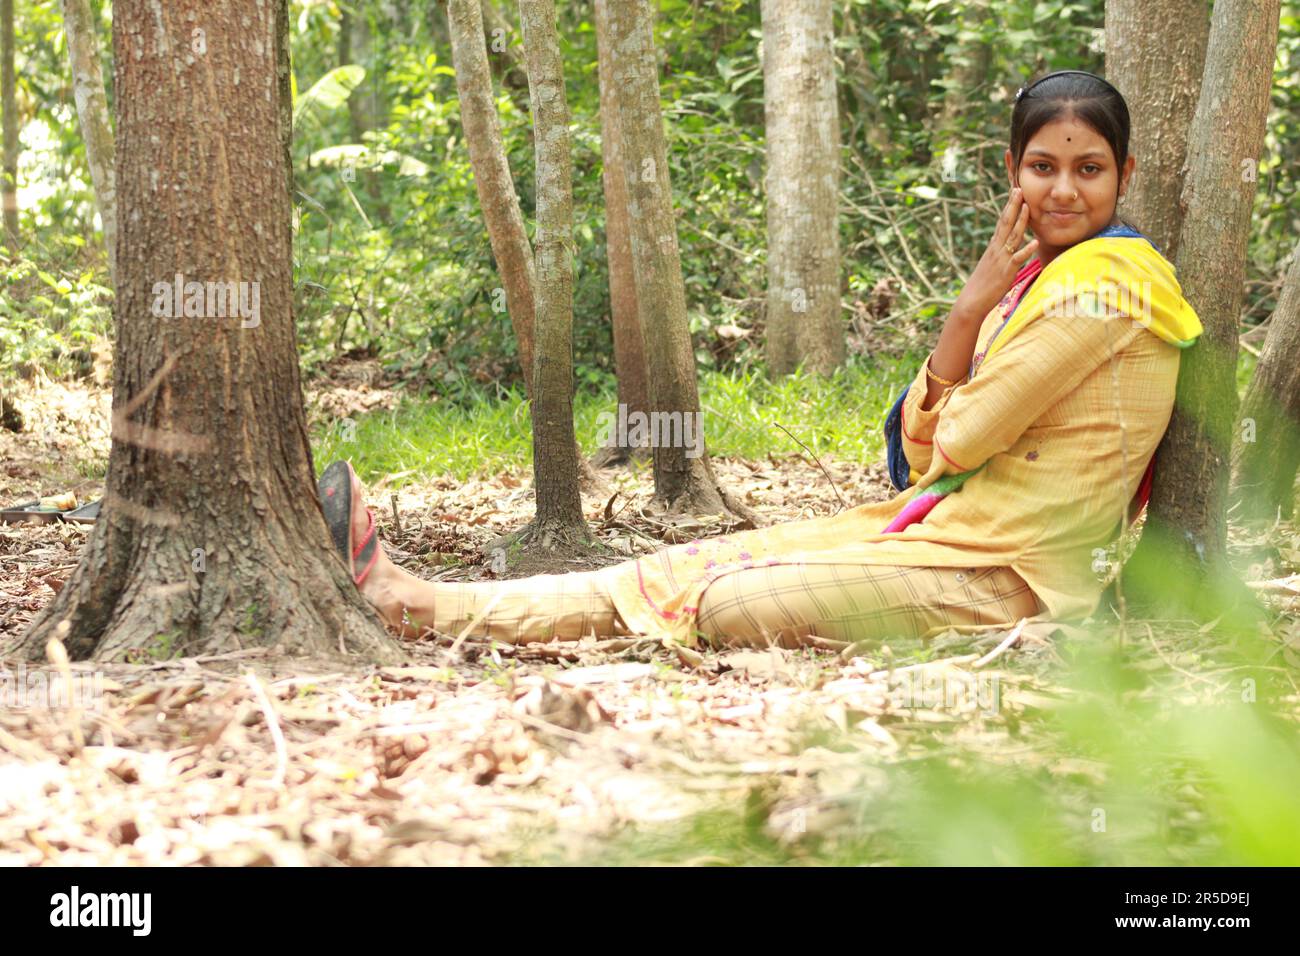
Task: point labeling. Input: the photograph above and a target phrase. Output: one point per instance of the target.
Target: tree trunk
(1155, 55)
(559, 521)
(1266, 454)
(863, 111)
(343, 49)
(367, 106)
(492, 180)
(211, 537)
(802, 187)
(363, 103)
(969, 70)
(504, 58)
(1185, 538)
(9, 104)
(684, 480)
(92, 112)
(629, 349)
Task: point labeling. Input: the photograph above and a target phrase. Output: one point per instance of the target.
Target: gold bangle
(941, 381)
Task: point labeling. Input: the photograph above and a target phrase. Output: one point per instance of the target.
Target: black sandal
(335, 492)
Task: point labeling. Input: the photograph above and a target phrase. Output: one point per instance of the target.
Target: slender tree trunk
(92, 111)
(492, 179)
(684, 479)
(210, 537)
(969, 69)
(10, 417)
(559, 521)
(505, 59)
(367, 106)
(1155, 55)
(1266, 453)
(1185, 537)
(629, 349)
(363, 103)
(802, 187)
(343, 49)
(9, 104)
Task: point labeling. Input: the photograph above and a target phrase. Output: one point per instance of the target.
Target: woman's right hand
(997, 268)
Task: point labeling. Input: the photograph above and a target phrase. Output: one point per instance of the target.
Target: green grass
(482, 435)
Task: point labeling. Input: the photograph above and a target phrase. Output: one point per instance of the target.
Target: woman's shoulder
(1118, 252)
(1128, 277)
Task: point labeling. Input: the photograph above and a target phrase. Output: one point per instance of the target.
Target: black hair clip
(1101, 79)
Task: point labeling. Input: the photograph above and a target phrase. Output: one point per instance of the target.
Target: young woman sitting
(1020, 448)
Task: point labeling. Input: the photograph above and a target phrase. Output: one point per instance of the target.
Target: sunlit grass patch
(744, 415)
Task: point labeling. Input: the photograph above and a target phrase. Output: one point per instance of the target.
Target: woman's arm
(992, 278)
(952, 355)
(926, 398)
(1037, 368)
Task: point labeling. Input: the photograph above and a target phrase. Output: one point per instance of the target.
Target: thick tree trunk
(1185, 537)
(559, 520)
(1155, 55)
(1266, 453)
(92, 112)
(684, 480)
(210, 537)
(9, 105)
(492, 180)
(802, 188)
(629, 349)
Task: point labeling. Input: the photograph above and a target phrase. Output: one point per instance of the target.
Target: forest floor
(1007, 747)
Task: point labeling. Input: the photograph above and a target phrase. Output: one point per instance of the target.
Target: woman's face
(1070, 180)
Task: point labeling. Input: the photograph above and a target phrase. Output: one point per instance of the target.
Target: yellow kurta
(1065, 415)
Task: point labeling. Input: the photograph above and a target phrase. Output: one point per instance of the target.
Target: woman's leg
(760, 605)
(543, 607)
(782, 603)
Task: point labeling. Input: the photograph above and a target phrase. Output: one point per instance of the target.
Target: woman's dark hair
(1065, 92)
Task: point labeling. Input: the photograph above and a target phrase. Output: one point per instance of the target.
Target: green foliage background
(396, 263)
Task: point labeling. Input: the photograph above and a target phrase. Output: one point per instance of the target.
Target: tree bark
(863, 111)
(210, 537)
(504, 58)
(492, 179)
(629, 349)
(9, 104)
(363, 104)
(559, 520)
(1155, 55)
(969, 69)
(683, 482)
(368, 104)
(92, 112)
(1266, 453)
(802, 188)
(1185, 537)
